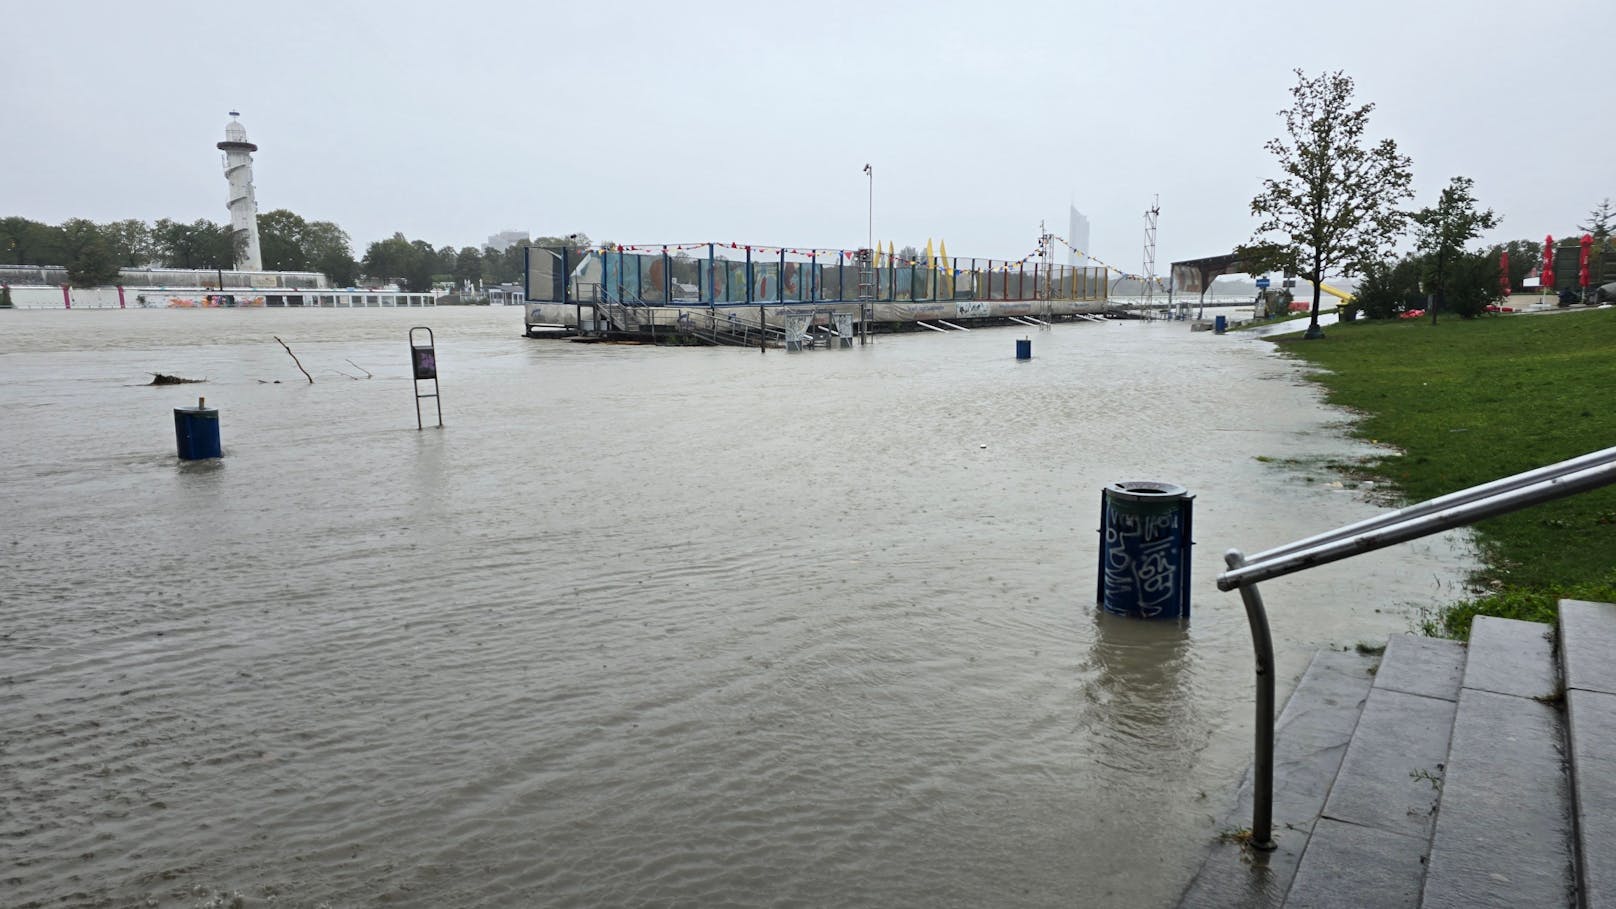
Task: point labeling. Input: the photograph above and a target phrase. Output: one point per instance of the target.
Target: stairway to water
(1448, 775)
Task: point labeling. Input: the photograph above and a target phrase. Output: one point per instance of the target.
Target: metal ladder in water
(424, 368)
(866, 292)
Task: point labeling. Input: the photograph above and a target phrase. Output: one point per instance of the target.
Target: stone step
(1444, 782)
(1503, 834)
(1511, 657)
(1310, 740)
(1368, 848)
(1587, 642)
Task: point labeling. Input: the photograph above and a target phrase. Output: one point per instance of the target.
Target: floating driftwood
(159, 378)
(295, 360)
(367, 373)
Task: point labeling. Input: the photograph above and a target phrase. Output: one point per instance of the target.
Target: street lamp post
(870, 241)
(869, 247)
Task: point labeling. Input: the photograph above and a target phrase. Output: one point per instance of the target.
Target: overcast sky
(752, 122)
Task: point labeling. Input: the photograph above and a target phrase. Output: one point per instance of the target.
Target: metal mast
(1048, 290)
(1151, 214)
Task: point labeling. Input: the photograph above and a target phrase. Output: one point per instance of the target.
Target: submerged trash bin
(1145, 544)
(1220, 324)
(1023, 348)
(196, 431)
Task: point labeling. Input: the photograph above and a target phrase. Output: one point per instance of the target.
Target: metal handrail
(1457, 509)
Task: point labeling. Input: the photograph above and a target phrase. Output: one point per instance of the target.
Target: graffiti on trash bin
(1141, 560)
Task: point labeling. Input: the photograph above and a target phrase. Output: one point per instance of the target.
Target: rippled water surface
(639, 626)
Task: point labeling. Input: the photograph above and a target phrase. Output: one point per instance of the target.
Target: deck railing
(1458, 509)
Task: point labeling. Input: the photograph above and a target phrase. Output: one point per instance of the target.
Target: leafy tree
(1524, 256)
(1600, 221)
(1389, 288)
(339, 267)
(330, 252)
(27, 242)
(1471, 282)
(290, 243)
(398, 259)
(573, 242)
(1335, 209)
(283, 241)
(200, 244)
(90, 260)
(504, 266)
(1444, 228)
(131, 242)
(468, 268)
(423, 267)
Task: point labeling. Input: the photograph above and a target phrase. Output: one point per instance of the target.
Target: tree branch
(295, 360)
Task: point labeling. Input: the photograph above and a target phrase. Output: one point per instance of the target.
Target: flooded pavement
(639, 626)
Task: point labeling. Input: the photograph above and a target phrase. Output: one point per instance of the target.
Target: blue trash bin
(1145, 540)
(1220, 324)
(1023, 348)
(196, 432)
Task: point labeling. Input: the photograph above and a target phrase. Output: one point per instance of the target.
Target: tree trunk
(1441, 281)
(1314, 332)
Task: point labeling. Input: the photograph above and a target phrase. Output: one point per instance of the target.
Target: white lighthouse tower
(243, 206)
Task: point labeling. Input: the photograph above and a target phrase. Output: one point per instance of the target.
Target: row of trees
(93, 253)
(1338, 208)
(1469, 281)
(416, 265)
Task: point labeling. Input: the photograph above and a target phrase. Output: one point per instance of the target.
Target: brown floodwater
(638, 626)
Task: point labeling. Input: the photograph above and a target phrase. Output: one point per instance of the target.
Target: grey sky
(751, 122)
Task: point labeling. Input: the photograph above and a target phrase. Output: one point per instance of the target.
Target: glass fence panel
(765, 280)
(685, 270)
(830, 277)
(794, 281)
(701, 274)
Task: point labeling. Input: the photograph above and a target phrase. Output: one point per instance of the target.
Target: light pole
(870, 172)
(866, 314)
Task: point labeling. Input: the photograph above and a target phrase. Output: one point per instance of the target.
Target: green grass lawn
(1471, 401)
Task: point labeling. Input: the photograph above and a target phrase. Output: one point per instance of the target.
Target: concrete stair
(1448, 776)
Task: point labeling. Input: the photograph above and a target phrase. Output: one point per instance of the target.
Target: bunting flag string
(1109, 267)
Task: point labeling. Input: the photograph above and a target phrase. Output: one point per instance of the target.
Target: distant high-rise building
(505, 239)
(1078, 236)
(243, 205)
